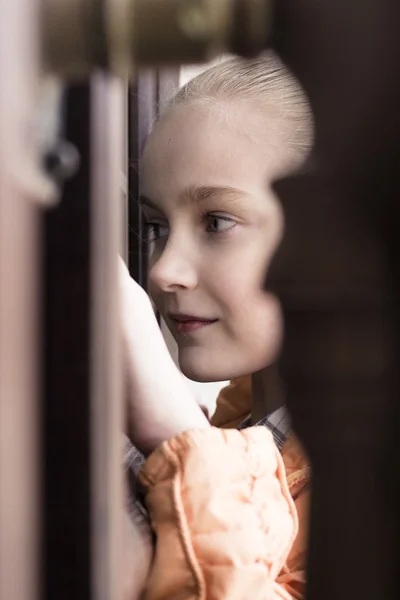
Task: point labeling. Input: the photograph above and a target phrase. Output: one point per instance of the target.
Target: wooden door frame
(150, 90)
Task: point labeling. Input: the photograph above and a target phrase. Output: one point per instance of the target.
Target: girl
(221, 503)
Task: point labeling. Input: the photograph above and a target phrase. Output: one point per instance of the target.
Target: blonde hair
(263, 84)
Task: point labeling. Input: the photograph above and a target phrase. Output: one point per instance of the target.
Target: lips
(190, 324)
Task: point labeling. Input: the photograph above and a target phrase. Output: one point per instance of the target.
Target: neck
(267, 393)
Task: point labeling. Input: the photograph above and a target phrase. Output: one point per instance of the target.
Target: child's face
(216, 224)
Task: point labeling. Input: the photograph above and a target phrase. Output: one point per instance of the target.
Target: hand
(160, 405)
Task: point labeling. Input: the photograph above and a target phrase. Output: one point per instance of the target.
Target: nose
(174, 269)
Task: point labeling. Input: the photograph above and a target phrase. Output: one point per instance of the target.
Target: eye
(155, 231)
(219, 224)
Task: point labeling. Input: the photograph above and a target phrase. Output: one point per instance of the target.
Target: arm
(160, 404)
(223, 515)
(218, 500)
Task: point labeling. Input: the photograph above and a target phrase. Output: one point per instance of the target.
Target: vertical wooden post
(66, 331)
(147, 93)
(82, 424)
(22, 190)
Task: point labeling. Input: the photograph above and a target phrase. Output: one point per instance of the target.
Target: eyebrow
(202, 193)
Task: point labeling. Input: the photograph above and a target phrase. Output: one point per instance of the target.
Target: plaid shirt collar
(133, 458)
(278, 423)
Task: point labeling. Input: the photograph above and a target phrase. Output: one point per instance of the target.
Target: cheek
(250, 308)
(238, 276)
(253, 317)
(259, 327)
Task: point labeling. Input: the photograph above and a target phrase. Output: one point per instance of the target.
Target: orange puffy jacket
(230, 512)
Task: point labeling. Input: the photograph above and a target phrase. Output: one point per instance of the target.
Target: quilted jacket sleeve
(223, 515)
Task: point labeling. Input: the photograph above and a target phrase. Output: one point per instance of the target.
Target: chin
(202, 371)
(209, 369)
(205, 366)
(201, 376)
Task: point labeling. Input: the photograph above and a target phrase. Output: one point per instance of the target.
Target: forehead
(216, 146)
